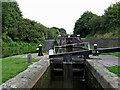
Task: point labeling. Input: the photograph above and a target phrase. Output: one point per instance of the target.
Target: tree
(81, 25)
(62, 31)
(112, 15)
(96, 25)
(11, 18)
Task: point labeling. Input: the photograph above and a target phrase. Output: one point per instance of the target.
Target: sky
(61, 13)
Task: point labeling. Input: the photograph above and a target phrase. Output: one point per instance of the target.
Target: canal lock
(68, 75)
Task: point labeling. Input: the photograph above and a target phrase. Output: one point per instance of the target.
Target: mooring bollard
(51, 52)
(88, 45)
(39, 49)
(68, 36)
(95, 50)
(59, 35)
(78, 35)
(95, 46)
(29, 58)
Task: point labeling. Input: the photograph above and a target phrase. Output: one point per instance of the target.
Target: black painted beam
(84, 52)
(108, 50)
(87, 52)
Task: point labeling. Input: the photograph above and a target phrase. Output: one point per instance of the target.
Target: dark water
(58, 82)
(63, 50)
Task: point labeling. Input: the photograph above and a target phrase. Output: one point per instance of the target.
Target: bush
(17, 48)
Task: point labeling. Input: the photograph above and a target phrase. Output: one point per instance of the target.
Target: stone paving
(109, 60)
(35, 56)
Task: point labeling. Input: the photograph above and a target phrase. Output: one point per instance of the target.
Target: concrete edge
(106, 78)
(29, 77)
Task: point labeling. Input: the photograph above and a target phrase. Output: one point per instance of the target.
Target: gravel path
(35, 56)
(109, 60)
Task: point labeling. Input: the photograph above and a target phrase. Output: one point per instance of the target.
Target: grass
(88, 47)
(18, 48)
(114, 69)
(45, 53)
(114, 54)
(13, 66)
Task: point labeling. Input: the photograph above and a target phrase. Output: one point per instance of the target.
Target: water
(60, 83)
(67, 79)
(48, 81)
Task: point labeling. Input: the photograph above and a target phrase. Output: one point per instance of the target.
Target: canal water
(49, 81)
(61, 80)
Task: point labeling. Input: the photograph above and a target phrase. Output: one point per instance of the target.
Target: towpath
(109, 60)
(106, 60)
(35, 56)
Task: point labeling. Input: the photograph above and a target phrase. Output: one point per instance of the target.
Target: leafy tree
(62, 31)
(11, 18)
(53, 33)
(96, 25)
(81, 25)
(112, 17)
(16, 28)
(90, 24)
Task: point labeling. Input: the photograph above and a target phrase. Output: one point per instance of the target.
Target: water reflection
(58, 81)
(69, 49)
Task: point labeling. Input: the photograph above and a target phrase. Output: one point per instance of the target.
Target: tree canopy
(61, 30)
(81, 25)
(90, 24)
(16, 28)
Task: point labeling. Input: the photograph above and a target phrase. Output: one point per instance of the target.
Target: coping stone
(28, 78)
(106, 78)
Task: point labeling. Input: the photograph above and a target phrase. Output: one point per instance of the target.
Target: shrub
(15, 48)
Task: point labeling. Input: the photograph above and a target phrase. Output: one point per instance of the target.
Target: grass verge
(13, 66)
(18, 48)
(114, 69)
(114, 54)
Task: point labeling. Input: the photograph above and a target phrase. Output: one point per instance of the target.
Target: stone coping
(29, 77)
(107, 79)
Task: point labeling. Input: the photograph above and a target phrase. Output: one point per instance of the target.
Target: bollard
(59, 35)
(78, 35)
(95, 46)
(29, 58)
(51, 52)
(88, 46)
(39, 49)
(68, 36)
(95, 50)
